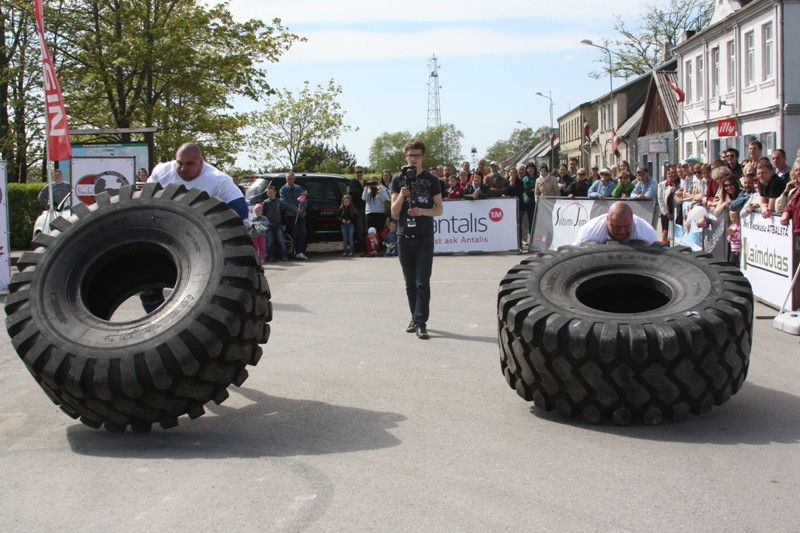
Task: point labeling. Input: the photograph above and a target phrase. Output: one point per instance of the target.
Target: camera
(409, 172)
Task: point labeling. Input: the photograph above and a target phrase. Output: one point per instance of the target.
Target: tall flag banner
(615, 140)
(677, 90)
(58, 147)
(552, 138)
(587, 131)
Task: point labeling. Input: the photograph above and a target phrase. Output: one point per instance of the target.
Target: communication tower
(434, 111)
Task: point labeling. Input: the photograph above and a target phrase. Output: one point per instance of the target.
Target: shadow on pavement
(755, 415)
(270, 426)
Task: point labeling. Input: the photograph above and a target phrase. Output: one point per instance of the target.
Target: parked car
(42, 222)
(325, 193)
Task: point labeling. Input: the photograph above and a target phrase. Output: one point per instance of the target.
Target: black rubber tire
(625, 332)
(160, 366)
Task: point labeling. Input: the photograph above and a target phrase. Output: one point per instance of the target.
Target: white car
(63, 209)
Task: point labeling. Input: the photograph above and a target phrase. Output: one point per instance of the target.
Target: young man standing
(414, 205)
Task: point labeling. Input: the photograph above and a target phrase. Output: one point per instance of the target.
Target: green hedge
(23, 208)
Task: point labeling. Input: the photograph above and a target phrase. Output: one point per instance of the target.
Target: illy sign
(726, 127)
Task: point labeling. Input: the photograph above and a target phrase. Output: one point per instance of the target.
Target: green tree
(637, 50)
(520, 139)
(442, 145)
(172, 64)
(387, 151)
(320, 157)
(21, 103)
(291, 122)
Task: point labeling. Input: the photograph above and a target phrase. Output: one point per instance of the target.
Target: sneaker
(422, 332)
(411, 327)
(301, 255)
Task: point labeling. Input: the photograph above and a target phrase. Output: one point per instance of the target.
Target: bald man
(190, 170)
(619, 224)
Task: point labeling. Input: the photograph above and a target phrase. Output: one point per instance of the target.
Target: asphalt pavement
(348, 423)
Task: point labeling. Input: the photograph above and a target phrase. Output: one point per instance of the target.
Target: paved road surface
(350, 424)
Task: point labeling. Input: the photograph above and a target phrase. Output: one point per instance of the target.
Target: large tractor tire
(154, 367)
(625, 332)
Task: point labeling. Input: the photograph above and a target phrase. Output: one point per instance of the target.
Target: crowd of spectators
(760, 185)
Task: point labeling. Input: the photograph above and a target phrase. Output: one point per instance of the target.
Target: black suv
(325, 193)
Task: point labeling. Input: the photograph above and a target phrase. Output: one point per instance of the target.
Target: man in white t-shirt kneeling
(619, 224)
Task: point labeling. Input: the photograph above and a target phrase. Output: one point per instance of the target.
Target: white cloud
(335, 46)
(353, 12)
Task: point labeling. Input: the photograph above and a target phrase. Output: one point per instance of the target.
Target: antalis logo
(766, 259)
(471, 224)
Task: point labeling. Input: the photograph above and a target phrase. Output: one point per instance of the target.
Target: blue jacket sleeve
(240, 206)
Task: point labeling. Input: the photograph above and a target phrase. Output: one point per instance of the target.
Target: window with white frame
(731, 57)
(714, 72)
(688, 82)
(689, 148)
(699, 83)
(768, 51)
(749, 58)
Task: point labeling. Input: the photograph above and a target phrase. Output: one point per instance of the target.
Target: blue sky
(493, 57)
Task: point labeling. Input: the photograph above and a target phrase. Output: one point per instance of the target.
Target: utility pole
(549, 96)
(434, 111)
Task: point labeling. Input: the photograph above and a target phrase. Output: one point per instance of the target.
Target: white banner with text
(488, 225)
(559, 219)
(766, 257)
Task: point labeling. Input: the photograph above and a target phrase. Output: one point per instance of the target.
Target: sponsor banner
(5, 264)
(557, 220)
(93, 175)
(58, 147)
(137, 150)
(488, 225)
(767, 257)
(708, 233)
(567, 218)
(726, 127)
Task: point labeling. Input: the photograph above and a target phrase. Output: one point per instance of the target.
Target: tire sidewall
(556, 279)
(184, 233)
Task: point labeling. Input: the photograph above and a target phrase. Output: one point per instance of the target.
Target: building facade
(741, 80)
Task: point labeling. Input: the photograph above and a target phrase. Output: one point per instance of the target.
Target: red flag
(677, 90)
(58, 147)
(587, 131)
(615, 140)
(552, 138)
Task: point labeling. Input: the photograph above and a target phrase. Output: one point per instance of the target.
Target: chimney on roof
(688, 34)
(666, 51)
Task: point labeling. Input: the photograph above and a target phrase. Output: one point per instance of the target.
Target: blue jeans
(416, 260)
(347, 238)
(296, 226)
(275, 233)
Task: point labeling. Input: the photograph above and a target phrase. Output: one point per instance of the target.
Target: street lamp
(588, 42)
(610, 78)
(549, 96)
(520, 122)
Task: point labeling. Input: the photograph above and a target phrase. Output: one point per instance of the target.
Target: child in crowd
(347, 215)
(734, 238)
(373, 243)
(390, 240)
(258, 231)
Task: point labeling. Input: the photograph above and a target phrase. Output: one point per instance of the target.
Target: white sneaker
(301, 256)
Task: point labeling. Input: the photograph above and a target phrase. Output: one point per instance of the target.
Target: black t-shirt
(425, 187)
(356, 191)
(773, 189)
